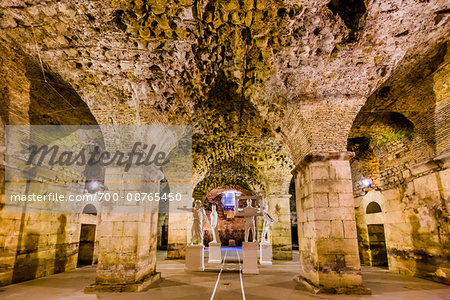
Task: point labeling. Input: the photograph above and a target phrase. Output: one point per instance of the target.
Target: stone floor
(273, 282)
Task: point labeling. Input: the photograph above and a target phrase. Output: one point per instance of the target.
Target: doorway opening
(163, 217)
(293, 209)
(87, 244)
(377, 245)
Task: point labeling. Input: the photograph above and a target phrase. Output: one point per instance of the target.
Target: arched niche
(373, 208)
(90, 209)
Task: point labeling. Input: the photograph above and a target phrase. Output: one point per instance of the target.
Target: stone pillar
(178, 235)
(328, 248)
(127, 234)
(280, 232)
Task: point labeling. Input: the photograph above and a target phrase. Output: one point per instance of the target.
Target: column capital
(322, 156)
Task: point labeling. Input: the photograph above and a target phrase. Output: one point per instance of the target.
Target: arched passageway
(318, 106)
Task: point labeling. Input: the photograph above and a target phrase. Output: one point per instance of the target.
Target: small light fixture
(94, 186)
(366, 182)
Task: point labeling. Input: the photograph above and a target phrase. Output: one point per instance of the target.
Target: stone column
(280, 233)
(329, 259)
(127, 233)
(178, 232)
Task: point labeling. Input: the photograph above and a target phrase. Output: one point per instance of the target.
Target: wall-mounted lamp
(93, 186)
(366, 182)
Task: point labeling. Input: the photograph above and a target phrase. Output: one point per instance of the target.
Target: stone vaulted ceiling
(247, 74)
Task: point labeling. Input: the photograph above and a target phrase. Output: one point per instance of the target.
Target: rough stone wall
(227, 66)
(409, 142)
(418, 228)
(33, 245)
(37, 245)
(415, 219)
(415, 213)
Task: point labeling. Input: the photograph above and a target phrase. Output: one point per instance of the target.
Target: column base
(250, 259)
(195, 258)
(282, 252)
(121, 288)
(176, 251)
(305, 284)
(215, 253)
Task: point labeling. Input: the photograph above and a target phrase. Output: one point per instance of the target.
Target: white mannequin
(214, 218)
(268, 221)
(197, 226)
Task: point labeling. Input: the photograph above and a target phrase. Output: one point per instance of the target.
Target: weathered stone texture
(406, 149)
(265, 84)
(329, 259)
(280, 232)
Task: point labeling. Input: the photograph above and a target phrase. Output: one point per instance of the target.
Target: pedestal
(215, 253)
(194, 258)
(250, 257)
(265, 254)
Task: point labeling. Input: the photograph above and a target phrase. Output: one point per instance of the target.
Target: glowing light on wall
(366, 182)
(93, 186)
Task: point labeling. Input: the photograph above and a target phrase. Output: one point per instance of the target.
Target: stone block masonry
(329, 258)
(127, 243)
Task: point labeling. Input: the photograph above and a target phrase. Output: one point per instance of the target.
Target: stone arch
(212, 182)
(89, 209)
(52, 100)
(398, 138)
(373, 208)
(373, 200)
(411, 95)
(230, 227)
(27, 98)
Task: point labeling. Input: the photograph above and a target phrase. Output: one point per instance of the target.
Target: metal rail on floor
(240, 275)
(220, 273)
